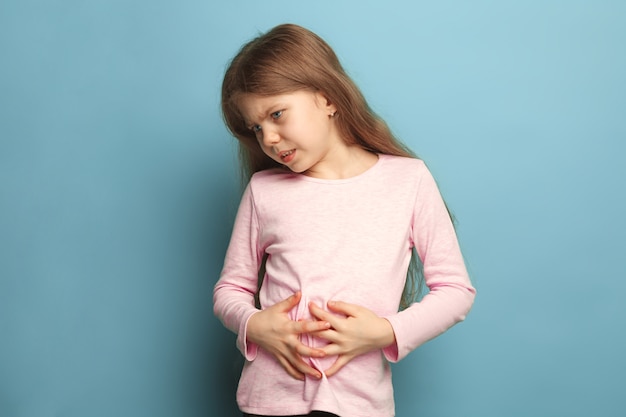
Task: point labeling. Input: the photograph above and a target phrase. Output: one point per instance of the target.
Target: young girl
(331, 216)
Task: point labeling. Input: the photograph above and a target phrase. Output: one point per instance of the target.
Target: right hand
(274, 331)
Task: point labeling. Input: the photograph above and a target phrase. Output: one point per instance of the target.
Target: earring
(333, 114)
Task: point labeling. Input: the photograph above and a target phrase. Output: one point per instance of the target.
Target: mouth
(287, 156)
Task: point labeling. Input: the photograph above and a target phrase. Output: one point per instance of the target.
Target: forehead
(253, 105)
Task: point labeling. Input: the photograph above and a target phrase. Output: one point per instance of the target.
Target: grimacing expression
(294, 129)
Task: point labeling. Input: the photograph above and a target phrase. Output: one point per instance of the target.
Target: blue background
(118, 188)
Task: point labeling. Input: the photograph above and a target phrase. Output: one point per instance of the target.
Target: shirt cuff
(248, 349)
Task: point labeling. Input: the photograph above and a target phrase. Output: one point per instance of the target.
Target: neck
(346, 161)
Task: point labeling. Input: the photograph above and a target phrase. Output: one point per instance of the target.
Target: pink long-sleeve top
(348, 240)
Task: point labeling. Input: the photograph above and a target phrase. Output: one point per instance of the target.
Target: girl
(331, 216)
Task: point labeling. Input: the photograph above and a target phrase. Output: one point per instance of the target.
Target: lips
(287, 156)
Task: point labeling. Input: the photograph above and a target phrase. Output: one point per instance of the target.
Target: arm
(233, 295)
(358, 330)
(233, 301)
(451, 294)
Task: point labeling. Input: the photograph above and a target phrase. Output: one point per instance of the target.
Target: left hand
(359, 332)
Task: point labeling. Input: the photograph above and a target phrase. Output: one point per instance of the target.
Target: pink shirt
(347, 240)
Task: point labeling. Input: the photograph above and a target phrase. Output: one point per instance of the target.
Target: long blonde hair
(289, 58)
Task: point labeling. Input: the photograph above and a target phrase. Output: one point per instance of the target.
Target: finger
(292, 371)
(348, 309)
(288, 303)
(303, 367)
(304, 350)
(323, 315)
(311, 326)
(341, 361)
(295, 366)
(331, 336)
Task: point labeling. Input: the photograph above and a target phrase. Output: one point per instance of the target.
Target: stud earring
(333, 114)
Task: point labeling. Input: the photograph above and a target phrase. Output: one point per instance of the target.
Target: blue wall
(118, 186)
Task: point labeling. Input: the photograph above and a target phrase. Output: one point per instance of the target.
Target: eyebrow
(266, 110)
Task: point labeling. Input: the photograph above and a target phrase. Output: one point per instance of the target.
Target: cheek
(263, 147)
(268, 151)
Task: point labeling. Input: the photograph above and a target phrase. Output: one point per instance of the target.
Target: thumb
(289, 302)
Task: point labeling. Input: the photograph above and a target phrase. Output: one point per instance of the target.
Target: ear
(326, 103)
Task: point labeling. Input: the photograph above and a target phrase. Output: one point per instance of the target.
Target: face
(295, 129)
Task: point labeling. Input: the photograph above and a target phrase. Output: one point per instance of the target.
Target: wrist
(387, 335)
(252, 327)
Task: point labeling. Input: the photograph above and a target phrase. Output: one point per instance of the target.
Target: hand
(359, 332)
(274, 331)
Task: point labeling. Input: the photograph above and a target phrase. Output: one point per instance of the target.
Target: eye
(277, 114)
(256, 128)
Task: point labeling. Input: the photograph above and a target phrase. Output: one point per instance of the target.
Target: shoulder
(269, 177)
(268, 184)
(402, 166)
(410, 175)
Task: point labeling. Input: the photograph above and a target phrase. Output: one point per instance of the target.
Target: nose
(270, 137)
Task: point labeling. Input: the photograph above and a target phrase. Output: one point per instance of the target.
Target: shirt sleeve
(451, 294)
(233, 295)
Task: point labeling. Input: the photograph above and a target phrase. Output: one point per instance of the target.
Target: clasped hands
(357, 331)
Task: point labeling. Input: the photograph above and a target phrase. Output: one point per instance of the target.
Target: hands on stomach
(355, 331)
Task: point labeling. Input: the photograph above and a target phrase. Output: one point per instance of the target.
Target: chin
(297, 168)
